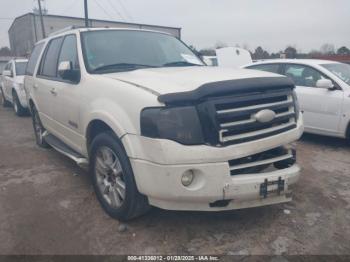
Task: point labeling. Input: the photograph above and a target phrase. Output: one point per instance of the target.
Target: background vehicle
(12, 87)
(323, 89)
(158, 127)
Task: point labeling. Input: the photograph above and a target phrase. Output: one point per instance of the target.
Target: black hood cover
(228, 87)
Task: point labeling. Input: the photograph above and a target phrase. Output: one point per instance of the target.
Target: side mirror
(66, 71)
(325, 83)
(7, 73)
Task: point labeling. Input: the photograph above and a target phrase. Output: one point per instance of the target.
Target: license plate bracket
(278, 187)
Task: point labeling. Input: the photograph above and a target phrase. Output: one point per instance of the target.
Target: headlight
(180, 124)
(296, 104)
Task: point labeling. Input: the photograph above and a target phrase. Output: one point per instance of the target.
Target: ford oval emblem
(265, 116)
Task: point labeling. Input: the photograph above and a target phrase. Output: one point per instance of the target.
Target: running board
(61, 147)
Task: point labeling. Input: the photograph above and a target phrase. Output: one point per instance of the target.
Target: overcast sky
(273, 24)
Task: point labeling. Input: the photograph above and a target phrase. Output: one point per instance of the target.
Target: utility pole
(86, 13)
(41, 19)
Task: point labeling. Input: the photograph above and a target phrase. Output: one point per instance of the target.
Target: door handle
(35, 86)
(53, 91)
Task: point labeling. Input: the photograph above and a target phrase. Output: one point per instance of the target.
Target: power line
(103, 9)
(70, 6)
(125, 10)
(116, 10)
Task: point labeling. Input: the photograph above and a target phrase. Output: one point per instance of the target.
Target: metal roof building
(25, 30)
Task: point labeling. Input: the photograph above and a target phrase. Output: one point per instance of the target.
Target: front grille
(236, 121)
(279, 158)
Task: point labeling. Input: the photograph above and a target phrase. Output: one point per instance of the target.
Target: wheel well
(94, 128)
(31, 104)
(348, 131)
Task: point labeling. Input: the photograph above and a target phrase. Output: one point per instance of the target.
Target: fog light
(187, 178)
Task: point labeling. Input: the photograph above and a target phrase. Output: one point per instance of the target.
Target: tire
(19, 109)
(4, 102)
(113, 179)
(38, 129)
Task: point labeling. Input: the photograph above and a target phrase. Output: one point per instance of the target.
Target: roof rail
(65, 29)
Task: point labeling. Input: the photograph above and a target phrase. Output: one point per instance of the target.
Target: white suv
(157, 127)
(12, 88)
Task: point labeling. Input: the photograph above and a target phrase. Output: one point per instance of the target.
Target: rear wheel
(4, 102)
(38, 129)
(19, 109)
(113, 179)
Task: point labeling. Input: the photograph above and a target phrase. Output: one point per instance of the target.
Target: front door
(322, 108)
(66, 105)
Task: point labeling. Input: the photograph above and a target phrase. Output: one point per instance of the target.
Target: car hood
(183, 79)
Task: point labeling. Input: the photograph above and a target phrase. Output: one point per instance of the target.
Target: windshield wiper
(126, 66)
(180, 63)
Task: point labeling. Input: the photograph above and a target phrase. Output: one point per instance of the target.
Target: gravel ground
(47, 206)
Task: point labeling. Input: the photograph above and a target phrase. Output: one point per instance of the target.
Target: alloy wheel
(110, 177)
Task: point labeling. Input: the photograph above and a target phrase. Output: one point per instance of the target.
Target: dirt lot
(47, 206)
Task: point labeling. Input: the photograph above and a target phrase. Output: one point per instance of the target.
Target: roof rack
(66, 29)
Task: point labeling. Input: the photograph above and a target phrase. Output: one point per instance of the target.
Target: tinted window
(20, 68)
(273, 68)
(69, 51)
(303, 75)
(49, 64)
(34, 59)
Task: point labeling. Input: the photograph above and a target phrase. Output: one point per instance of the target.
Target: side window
(34, 59)
(48, 65)
(69, 52)
(303, 75)
(273, 68)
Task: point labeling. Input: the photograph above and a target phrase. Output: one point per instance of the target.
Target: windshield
(21, 68)
(109, 51)
(340, 70)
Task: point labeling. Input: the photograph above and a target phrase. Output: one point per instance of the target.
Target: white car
(323, 89)
(158, 127)
(12, 86)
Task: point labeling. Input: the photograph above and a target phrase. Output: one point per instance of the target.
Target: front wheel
(113, 179)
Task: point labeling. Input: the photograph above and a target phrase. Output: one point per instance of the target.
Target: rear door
(45, 83)
(322, 108)
(29, 81)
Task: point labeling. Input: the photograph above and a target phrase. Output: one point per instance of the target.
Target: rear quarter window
(34, 59)
(48, 67)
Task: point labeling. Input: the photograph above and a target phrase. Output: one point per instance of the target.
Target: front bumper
(212, 183)
(159, 165)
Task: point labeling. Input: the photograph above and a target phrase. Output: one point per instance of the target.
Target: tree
(290, 52)
(5, 51)
(207, 52)
(220, 44)
(260, 53)
(343, 51)
(328, 49)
